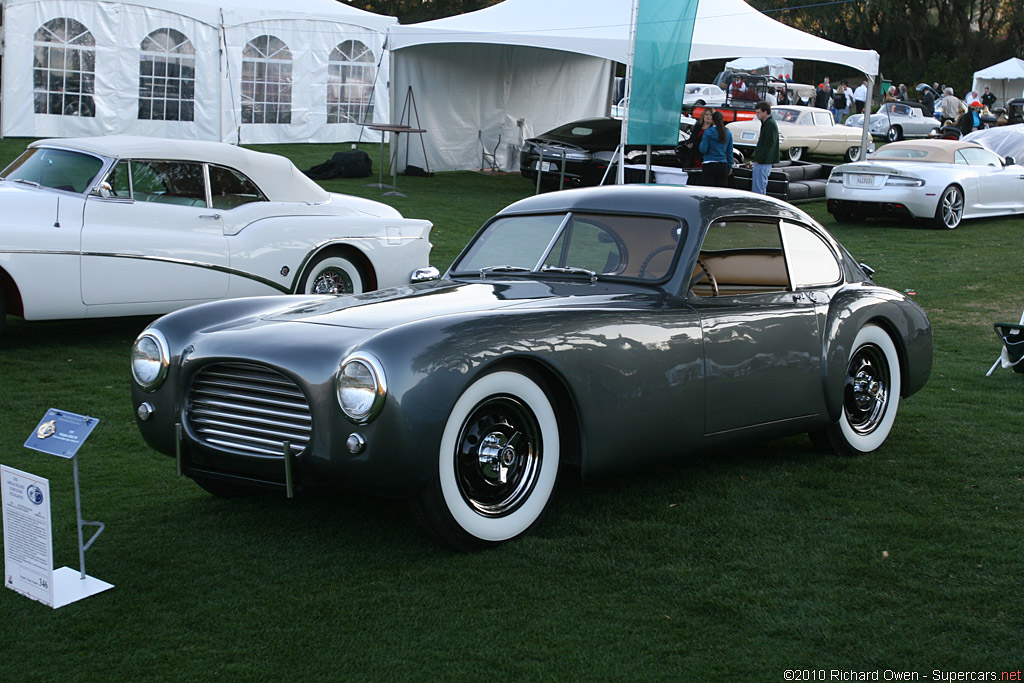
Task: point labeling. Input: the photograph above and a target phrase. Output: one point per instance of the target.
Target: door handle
(213, 216)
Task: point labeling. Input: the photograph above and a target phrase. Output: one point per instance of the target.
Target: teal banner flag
(661, 57)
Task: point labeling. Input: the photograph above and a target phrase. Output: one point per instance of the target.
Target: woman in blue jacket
(716, 146)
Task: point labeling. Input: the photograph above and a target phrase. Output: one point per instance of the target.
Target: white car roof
(275, 175)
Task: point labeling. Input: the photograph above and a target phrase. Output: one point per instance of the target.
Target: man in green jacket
(767, 151)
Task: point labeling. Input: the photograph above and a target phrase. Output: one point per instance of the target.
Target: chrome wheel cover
(332, 280)
(498, 456)
(866, 394)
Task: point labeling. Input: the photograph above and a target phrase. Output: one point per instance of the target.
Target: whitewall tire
(871, 394)
(497, 464)
(332, 274)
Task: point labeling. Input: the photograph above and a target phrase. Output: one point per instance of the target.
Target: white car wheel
(497, 464)
(795, 153)
(332, 274)
(871, 395)
(852, 154)
(893, 134)
(950, 210)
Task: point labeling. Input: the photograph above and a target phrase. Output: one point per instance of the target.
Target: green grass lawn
(740, 564)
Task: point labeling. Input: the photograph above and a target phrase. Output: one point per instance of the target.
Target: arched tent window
(351, 72)
(266, 81)
(167, 76)
(64, 69)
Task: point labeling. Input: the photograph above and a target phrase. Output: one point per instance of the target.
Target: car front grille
(248, 408)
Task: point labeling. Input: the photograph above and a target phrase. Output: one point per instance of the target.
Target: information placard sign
(61, 433)
(28, 544)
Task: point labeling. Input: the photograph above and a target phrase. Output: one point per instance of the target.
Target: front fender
(903, 319)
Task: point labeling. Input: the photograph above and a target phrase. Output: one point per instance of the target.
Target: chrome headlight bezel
(160, 357)
(361, 373)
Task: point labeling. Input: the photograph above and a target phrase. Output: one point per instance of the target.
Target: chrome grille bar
(248, 408)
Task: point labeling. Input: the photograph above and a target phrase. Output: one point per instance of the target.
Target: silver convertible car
(600, 328)
(941, 181)
(897, 120)
(122, 225)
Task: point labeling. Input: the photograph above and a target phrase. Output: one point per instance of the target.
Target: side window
(959, 158)
(117, 183)
(169, 182)
(980, 157)
(811, 261)
(229, 188)
(740, 257)
(823, 118)
(628, 246)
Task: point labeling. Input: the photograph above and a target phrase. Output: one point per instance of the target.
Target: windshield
(785, 115)
(590, 131)
(637, 247)
(57, 168)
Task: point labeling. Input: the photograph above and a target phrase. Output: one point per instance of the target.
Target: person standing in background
(860, 97)
(823, 95)
(716, 146)
(766, 152)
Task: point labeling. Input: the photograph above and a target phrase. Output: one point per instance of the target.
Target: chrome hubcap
(499, 455)
(332, 281)
(867, 389)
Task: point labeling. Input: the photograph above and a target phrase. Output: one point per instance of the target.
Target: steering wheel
(647, 261)
(706, 273)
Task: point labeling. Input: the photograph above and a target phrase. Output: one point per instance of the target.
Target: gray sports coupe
(604, 328)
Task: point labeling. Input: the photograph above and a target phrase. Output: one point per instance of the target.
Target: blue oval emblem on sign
(35, 494)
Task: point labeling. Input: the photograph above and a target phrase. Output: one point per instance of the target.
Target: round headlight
(150, 360)
(361, 388)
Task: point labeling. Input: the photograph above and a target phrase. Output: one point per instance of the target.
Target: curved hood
(396, 306)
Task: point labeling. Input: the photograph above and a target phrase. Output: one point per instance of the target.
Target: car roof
(275, 175)
(668, 200)
(939, 151)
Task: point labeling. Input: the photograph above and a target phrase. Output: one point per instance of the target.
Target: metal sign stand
(62, 433)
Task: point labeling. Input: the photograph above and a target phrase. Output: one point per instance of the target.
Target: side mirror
(1009, 161)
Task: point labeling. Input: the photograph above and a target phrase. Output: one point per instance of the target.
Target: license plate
(747, 135)
(545, 166)
(865, 179)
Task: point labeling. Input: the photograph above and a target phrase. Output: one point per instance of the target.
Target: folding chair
(1012, 354)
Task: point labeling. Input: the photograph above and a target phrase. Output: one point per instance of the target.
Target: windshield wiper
(27, 182)
(503, 269)
(570, 270)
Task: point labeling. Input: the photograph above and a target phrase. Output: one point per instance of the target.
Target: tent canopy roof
(1011, 68)
(600, 28)
(238, 12)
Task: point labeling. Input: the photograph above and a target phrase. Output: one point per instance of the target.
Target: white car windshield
(60, 169)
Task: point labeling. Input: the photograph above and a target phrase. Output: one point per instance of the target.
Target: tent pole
(620, 172)
(865, 133)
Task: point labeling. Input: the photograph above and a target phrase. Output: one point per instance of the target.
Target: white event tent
(526, 66)
(252, 71)
(1005, 79)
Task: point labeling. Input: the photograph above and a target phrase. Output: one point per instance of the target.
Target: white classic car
(122, 225)
(944, 181)
(897, 120)
(701, 94)
(803, 130)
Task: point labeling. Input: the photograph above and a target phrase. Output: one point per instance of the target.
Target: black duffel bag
(349, 164)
